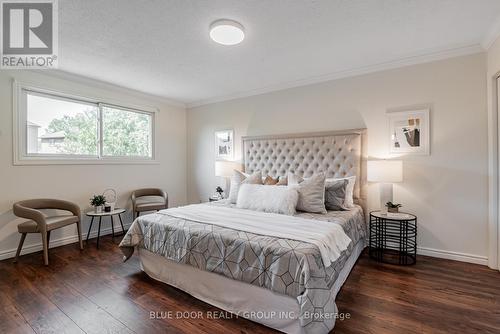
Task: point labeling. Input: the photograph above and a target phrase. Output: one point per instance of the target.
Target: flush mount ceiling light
(227, 32)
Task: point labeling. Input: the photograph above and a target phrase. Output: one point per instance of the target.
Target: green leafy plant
(97, 200)
(391, 205)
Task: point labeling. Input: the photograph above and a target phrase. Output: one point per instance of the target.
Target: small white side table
(93, 214)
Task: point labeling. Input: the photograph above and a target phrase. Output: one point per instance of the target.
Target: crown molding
(403, 62)
(397, 63)
(110, 86)
(492, 35)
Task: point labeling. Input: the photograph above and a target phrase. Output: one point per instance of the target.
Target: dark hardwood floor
(94, 292)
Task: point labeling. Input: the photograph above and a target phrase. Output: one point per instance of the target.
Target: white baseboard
(10, 253)
(463, 257)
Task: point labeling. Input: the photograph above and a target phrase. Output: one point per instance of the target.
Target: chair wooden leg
(79, 229)
(21, 242)
(45, 248)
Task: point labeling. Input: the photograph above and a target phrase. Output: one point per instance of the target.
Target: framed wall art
(409, 131)
(224, 144)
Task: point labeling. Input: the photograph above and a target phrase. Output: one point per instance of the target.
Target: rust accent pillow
(269, 181)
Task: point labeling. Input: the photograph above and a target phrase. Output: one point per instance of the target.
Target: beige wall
(493, 67)
(448, 190)
(78, 182)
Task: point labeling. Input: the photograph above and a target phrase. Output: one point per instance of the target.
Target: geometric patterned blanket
(285, 266)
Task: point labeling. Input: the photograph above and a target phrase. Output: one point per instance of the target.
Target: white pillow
(272, 199)
(349, 191)
(239, 178)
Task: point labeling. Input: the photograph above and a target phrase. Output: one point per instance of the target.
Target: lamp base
(227, 181)
(385, 196)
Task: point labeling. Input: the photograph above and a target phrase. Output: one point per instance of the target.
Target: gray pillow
(311, 192)
(335, 194)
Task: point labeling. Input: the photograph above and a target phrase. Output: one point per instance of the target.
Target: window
(126, 133)
(57, 127)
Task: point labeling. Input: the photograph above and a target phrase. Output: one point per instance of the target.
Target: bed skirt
(242, 299)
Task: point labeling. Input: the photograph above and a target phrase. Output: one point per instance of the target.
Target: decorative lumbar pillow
(269, 181)
(311, 192)
(271, 199)
(349, 192)
(335, 191)
(239, 178)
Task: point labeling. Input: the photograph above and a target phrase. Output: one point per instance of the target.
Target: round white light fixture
(227, 32)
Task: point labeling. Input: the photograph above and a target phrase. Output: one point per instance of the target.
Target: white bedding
(329, 237)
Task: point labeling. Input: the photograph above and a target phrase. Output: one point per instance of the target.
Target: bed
(282, 280)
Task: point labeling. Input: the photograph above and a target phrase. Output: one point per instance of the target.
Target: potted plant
(98, 202)
(393, 207)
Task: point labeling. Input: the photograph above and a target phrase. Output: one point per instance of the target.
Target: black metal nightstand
(393, 238)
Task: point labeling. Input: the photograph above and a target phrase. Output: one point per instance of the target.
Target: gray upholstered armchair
(40, 223)
(149, 199)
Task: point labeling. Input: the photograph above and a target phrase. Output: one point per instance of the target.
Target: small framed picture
(409, 132)
(224, 145)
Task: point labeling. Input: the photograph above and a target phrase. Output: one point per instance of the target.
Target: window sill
(44, 162)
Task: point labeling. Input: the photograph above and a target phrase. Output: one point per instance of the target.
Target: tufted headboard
(336, 153)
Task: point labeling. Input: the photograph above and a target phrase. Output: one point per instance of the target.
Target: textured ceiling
(162, 46)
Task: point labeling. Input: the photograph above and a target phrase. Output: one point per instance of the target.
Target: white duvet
(329, 237)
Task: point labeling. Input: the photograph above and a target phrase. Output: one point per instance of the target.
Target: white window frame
(21, 156)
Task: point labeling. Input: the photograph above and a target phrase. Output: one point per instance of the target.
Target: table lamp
(224, 169)
(385, 172)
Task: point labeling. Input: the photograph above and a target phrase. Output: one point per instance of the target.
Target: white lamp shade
(225, 168)
(385, 171)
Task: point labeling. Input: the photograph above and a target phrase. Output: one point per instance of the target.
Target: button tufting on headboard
(337, 154)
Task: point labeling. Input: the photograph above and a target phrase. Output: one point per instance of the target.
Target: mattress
(286, 267)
